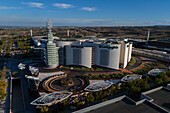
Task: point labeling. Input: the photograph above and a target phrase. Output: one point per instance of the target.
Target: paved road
(17, 100)
(27, 99)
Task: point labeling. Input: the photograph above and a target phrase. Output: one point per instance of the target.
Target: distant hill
(157, 31)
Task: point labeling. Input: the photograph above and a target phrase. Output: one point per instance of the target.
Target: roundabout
(63, 84)
(73, 82)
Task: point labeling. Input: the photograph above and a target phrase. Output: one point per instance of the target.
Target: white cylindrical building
(108, 56)
(77, 55)
(124, 54)
(129, 52)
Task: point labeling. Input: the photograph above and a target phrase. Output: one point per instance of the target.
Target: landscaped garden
(132, 61)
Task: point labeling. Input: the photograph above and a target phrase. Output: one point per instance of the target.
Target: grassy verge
(132, 61)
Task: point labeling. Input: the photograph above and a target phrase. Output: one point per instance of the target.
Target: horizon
(44, 26)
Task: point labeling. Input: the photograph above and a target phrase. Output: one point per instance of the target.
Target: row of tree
(23, 43)
(3, 84)
(2, 43)
(23, 46)
(91, 98)
(8, 51)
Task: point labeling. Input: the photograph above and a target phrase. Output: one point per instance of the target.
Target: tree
(98, 94)
(3, 73)
(168, 73)
(45, 109)
(113, 89)
(105, 99)
(165, 78)
(3, 94)
(90, 98)
(14, 73)
(158, 81)
(143, 84)
(79, 105)
(3, 84)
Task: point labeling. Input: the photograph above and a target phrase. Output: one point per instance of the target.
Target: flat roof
(124, 106)
(162, 98)
(101, 85)
(131, 77)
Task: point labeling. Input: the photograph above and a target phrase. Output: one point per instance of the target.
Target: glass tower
(51, 51)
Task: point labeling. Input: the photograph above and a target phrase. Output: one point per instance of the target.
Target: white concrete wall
(85, 57)
(129, 52)
(124, 54)
(112, 59)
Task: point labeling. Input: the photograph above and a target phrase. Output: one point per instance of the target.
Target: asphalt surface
(137, 63)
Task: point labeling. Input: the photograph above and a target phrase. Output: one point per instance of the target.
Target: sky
(84, 12)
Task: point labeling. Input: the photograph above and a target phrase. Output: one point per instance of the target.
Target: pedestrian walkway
(125, 70)
(143, 63)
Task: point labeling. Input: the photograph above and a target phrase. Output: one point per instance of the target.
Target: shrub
(105, 99)
(15, 74)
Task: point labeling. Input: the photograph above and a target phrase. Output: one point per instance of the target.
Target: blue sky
(85, 12)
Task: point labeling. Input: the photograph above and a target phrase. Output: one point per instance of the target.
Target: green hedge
(143, 70)
(110, 76)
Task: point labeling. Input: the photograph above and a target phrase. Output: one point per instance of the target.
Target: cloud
(34, 4)
(61, 5)
(88, 8)
(4, 7)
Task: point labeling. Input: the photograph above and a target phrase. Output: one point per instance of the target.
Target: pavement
(125, 70)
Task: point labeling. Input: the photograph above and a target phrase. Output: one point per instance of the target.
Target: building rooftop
(131, 77)
(98, 86)
(51, 98)
(155, 72)
(162, 98)
(124, 106)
